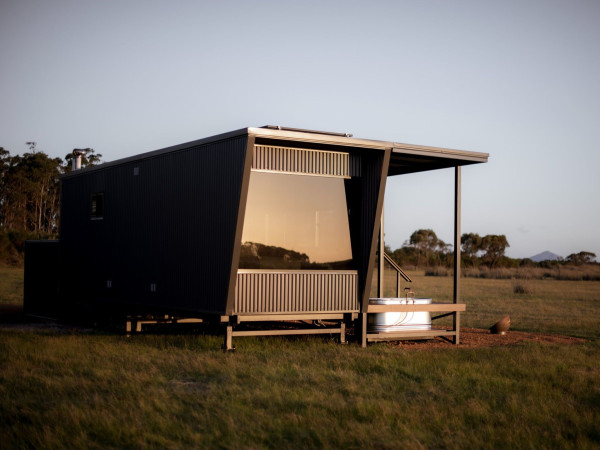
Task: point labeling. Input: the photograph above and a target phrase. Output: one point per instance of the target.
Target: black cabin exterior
(256, 224)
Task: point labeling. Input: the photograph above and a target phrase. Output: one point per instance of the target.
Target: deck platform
(447, 309)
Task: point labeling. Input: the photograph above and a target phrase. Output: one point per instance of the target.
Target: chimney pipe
(76, 161)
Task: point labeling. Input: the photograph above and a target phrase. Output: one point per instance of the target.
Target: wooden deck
(446, 309)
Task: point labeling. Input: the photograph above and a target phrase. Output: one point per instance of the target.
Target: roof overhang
(411, 158)
(405, 158)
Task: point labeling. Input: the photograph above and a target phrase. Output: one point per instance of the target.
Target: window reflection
(296, 222)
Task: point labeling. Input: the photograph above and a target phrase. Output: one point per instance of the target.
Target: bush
(521, 288)
(438, 271)
(568, 272)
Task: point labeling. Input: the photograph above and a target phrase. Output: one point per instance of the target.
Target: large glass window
(296, 222)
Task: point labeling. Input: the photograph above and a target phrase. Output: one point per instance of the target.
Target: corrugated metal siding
(40, 296)
(355, 165)
(362, 194)
(291, 292)
(301, 161)
(172, 225)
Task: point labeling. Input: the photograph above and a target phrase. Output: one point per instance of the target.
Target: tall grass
(550, 306)
(64, 388)
(11, 285)
(94, 390)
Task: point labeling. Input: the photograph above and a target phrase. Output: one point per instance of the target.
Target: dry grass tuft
(11, 285)
(520, 287)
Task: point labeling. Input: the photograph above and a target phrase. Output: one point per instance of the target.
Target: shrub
(521, 288)
(438, 271)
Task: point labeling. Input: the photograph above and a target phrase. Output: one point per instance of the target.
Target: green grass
(552, 306)
(76, 389)
(11, 285)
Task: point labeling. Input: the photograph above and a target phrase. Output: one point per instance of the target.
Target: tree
(425, 241)
(4, 165)
(494, 246)
(471, 245)
(581, 258)
(29, 189)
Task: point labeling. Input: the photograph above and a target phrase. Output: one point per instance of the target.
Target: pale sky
(519, 80)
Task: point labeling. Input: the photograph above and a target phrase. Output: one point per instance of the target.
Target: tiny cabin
(264, 224)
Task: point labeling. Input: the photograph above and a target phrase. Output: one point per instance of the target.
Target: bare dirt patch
(478, 338)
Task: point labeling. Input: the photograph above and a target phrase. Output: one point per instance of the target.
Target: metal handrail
(396, 267)
(399, 272)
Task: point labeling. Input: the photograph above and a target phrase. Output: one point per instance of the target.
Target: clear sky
(519, 80)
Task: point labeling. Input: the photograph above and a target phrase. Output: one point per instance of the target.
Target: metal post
(457, 256)
(363, 329)
(457, 328)
(380, 267)
(228, 345)
(342, 332)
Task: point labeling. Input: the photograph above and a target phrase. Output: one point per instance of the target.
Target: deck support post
(343, 332)
(228, 345)
(362, 329)
(457, 327)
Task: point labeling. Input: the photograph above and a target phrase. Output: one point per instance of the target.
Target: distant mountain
(545, 256)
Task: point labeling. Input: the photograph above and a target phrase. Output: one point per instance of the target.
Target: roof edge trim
(153, 153)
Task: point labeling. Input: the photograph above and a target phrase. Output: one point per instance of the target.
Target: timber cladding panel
(300, 161)
(291, 292)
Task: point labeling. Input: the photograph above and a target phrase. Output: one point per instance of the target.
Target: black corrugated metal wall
(365, 199)
(40, 296)
(167, 233)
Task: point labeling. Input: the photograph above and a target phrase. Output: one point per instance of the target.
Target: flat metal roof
(405, 158)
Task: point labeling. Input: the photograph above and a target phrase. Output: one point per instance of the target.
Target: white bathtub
(389, 322)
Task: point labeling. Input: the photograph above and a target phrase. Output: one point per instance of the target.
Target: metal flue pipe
(76, 161)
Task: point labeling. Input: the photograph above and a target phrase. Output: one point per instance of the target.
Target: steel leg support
(228, 345)
(456, 324)
(363, 329)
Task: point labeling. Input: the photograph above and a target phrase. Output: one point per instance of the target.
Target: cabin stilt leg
(456, 324)
(343, 332)
(362, 329)
(228, 344)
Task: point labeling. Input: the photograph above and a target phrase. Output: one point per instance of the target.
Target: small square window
(97, 206)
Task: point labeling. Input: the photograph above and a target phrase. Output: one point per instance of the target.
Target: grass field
(551, 306)
(11, 285)
(63, 388)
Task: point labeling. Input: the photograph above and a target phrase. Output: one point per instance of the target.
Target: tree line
(425, 249)
(30, 209)
(29, 197)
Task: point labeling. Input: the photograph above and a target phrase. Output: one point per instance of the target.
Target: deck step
(425, 334)
(286, 332)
